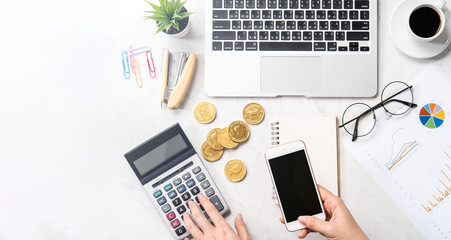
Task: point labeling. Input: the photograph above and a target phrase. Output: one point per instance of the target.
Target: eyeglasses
(359, 119)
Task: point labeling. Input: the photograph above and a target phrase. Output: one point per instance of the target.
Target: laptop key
(288, 14)
(285, 36)
(233, 14)
(337, 4)
(342, 49)
(310, 14)
(239, 46)
(320, 14)
(332, 46)
(241, 35)
(296, 35)
(362, 4)
(305, 4)
(363, 25)
(277, 14)
(291, 25)
(264, 35)
(285, 46)
(219, 14)
(365, 49)
(363, 36)
(307, 36)
(345, 25)
(261, 4)
(269, 25)
(258, 25)
(334, 25)
(348, 4)
(239, 3)
(327, 4)
(364, 15)
(247, 25)
(316, 4)
(294, 4)
(353, 14)
(332, 14)
(228, 3)
(224, 35)
(250, 3)
(323, 25)
(353, 46)
(217, 3)
(252, 35)
(299, 14)
(244, 14)
(274, 35)
(319, 46)
(266, 14)
(283, 4)
(342, 15)
(340, 36)
(318, 36)
(302, 25)
(329, 36)
(272, 4)
(250, 46)
(228, 46)
(236, 25)
(255, 14)
(312, 25)
(280, 25)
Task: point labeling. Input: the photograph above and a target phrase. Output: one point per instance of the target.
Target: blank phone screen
(295, 185)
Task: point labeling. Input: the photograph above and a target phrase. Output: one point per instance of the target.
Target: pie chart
(432, 115)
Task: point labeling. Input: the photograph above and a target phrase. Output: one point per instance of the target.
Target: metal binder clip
(125, 65)
(174, 91)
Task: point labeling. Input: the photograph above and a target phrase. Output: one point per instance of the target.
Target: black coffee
(425, 22)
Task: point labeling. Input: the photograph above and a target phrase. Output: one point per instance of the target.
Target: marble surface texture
(67, 116)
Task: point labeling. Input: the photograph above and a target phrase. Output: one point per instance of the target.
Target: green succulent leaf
(167, 14)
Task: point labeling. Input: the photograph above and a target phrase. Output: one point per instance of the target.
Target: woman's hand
(220, 230)
(339, 224)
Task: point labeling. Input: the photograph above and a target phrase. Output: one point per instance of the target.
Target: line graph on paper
(401, 149)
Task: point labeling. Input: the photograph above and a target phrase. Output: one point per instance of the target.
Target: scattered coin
(213, 139)
(205, 112)
(253, 113)
(239, 131)
(210, 154)
(224, 139)
(235, 170)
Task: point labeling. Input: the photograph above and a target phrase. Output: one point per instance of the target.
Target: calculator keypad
(188, 189)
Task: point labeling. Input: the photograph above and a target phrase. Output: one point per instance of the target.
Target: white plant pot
(182, 33)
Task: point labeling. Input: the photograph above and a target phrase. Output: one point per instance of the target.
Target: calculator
(172, 173)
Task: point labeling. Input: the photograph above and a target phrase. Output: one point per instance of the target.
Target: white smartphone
(295, 184)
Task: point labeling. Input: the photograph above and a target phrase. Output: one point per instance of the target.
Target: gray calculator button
(205, 184)
(209, 192)
(166, 208)
(217, 203)
(177, 181)
(196, 170)
(195, 191)
(186, 176)
(200, 177)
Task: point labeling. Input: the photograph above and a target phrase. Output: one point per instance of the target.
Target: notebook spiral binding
(275, 133)
(275, 141)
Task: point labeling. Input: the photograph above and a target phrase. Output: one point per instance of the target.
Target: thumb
(241, 228)
(316, 224)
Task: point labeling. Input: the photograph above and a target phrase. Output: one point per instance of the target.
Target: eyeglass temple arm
(409, 104)
(354, 133)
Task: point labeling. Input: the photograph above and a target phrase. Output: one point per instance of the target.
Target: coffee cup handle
(440, 4)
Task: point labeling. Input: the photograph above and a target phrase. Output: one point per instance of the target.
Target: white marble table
(67, 116)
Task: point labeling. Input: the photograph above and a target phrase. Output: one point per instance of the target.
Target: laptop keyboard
(291, 25)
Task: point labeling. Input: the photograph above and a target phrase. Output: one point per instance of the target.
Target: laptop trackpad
(296, 75)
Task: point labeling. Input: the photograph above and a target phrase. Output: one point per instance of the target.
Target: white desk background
(67, 116)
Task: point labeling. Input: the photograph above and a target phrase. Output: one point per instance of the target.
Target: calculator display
(295, 185)
(159, 155)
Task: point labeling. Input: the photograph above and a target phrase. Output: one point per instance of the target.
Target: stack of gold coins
(219, 139)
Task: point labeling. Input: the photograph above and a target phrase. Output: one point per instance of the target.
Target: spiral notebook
(320, 135)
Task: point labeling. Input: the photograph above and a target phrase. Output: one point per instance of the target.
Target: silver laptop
(314, 48)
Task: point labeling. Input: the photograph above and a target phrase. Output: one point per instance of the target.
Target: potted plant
(171, 16)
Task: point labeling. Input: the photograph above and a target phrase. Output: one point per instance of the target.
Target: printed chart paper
(410, 155)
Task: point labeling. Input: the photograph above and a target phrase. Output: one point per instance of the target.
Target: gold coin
(224, 139)
(213, 139)
(239, 131)
(205, 112)
(253, 113)
(235, 170)
(210, 154)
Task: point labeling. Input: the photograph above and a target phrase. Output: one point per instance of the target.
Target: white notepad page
(320, 137)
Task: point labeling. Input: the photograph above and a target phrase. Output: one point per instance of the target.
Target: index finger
(211, 210)
(325, 194)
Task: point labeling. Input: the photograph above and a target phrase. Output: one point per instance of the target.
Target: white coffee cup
(437, 7)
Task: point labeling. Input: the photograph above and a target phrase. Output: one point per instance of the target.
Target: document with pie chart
(410, 155)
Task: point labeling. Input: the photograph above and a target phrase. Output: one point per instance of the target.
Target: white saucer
(406, 43)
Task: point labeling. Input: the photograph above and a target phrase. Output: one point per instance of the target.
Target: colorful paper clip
(135, 68)
(125, 65)
(151, 64)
